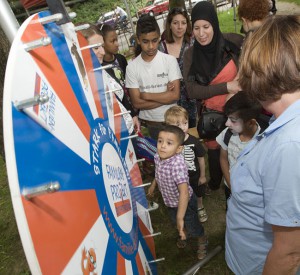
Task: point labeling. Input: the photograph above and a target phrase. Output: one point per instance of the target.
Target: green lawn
(12, 258)
(293, 1)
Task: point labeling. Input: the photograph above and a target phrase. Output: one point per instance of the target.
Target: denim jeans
(191, 222)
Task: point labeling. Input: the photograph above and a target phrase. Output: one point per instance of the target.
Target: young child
(171, 175)
(153, 78)
(242, 113)
(193, 153)
(118, 71)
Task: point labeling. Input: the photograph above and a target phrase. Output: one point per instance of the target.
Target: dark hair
(168, 33)
(92, 30)
(174, 130)
(244, 106)
(105, 29)
(144, 25)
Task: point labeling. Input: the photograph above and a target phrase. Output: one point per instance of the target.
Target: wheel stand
(195, 268)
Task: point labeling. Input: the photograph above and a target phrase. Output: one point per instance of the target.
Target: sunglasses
(178, 10)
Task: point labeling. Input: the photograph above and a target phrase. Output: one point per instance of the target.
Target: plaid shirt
(169, 174)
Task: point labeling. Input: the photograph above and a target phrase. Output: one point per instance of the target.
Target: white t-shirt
(235, 145)
(153, 77)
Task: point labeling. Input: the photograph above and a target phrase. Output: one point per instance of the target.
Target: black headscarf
(209, 60)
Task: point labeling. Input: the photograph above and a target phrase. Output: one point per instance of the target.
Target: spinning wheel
(74, 178)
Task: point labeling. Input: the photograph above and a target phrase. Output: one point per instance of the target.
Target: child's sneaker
(202, 215)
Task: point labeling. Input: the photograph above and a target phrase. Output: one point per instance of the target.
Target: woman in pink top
(209, 71)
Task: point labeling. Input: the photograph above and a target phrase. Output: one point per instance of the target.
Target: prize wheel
(73, 174)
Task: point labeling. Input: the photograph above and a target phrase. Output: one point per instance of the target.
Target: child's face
(167, 145)
(149, 44)
(111, 44)
(235, 124)
(180, 122)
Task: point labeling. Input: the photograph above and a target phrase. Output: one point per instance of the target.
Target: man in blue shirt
(263, 218)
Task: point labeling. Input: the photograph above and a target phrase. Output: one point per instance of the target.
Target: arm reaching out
(182, 206)
(151, 188)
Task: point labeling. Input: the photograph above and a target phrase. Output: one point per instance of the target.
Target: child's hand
(180, 228)
(202, 180)
(170, 86)
(151, 190)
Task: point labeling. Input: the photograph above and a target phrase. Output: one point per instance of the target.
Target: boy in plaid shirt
(171, 176)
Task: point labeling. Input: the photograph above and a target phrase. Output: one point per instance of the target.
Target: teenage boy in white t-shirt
(153, 78)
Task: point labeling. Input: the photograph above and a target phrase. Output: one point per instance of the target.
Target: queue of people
(194, 67)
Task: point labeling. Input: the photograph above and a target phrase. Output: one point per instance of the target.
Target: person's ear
(138, 40)
(245, 24)
(179, 149)
(251, 122)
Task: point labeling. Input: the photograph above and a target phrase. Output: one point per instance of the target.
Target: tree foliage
(90, 11)
(176, 3)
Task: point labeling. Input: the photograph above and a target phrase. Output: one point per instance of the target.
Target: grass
(293, 1)
(12, 258)
(227, 22)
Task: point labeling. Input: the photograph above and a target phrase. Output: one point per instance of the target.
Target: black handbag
(210, 124)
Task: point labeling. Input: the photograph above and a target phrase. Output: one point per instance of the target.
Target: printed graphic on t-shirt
(189, 157)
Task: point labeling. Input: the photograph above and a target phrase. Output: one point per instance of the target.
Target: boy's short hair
(173, 113)
(174, 130)
(146, 24)
(245, 107)
(105, 29)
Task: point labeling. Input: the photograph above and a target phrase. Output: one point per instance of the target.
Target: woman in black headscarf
(209, 72)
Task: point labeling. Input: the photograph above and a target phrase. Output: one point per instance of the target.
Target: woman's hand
(233, 86)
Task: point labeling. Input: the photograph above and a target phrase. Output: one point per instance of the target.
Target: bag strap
(227, 136)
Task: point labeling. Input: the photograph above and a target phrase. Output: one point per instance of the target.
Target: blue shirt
(265, 184)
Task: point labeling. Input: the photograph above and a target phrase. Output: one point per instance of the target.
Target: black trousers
(215, 171)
